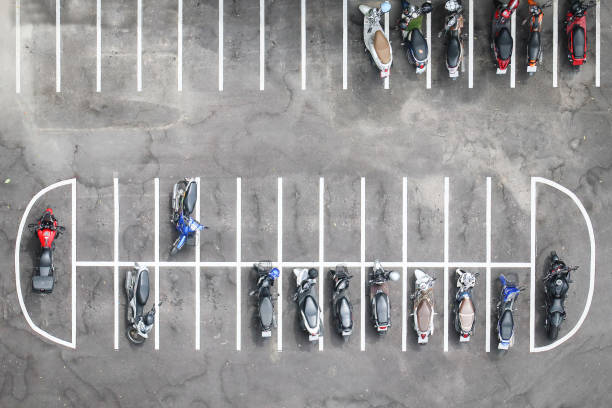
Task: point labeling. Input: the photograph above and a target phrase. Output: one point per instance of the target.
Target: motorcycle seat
(191, 196)
(418, 45)
(44, 264)
(344, 311)
(382, 47)
(142, 293)
(557, 306)
(452, 52)
(533, 46)
(266, 311)
(466, 313)
(506, 325)
(578, 37)
(382, 308)
(423, 315)
(504, 43)
(311, 311)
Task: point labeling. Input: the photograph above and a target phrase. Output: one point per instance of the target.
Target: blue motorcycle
(183, 201)
(505, 308)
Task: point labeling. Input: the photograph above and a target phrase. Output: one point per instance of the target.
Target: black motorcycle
(556, 285)
(379, 297)
(266, 275)
(341, 304)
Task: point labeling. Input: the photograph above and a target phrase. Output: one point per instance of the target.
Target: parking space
(78, 32)
(95, 309)
(342, 214)
(218, 310)
(200, 45)
(283, 53)
(218, 212)
(467, 223)
(95, 214)
(324, 50)
(177, 312)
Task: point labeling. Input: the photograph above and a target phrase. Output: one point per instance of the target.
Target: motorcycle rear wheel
(134, 337)
(553, 332)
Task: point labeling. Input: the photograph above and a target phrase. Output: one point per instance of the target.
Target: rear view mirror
(394, 276)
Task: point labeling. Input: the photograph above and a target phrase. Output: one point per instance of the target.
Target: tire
(133, 336)
(175, 249)
(553, 332)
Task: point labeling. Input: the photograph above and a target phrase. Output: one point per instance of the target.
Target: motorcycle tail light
(382, 327)
(423, 335)
(465, 335)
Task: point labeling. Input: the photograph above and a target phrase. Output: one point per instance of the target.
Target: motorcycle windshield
(193, 225)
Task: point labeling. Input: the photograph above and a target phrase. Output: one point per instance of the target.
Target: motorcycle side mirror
(426, 8)
(385, 6)
(394, 276)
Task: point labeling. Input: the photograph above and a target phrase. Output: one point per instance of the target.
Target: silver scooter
(310, 315)
(137, 291)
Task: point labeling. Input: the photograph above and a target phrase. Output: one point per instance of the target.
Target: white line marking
(532, 267)
(156, 183)
(139, 48)
(279, 251)
(587, 220)
(555, 56)
(238, 262)
(24, 310)
(58, 46)
(446, 205)
(303, 36)
(321, 251)
(428, 73)
(220, 45)
(73, 262)
(344, 45)
(116, 260)
(387, 34)
(488, 270)
(98, 45)
(513, 57)
(597, 42)
(179, 59)
(471, 45)
(362, 264)
(262, 44)
(404, 260)
(17, 46)
(197, 271)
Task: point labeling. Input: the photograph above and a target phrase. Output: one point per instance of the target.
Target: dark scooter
(576, 31)
(501, 37)
(534, 47)
(183, 201)
(505, 313)
(556, 285)
(341, 304)
(266, 275)
(47, 230)
(137, 292)
(379, 297)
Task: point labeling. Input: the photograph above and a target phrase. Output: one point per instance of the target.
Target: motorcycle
(423, 306)
(182, 202)
(454, 44)
(266, 275)
(412, 37)
(576, 31)
(501, 38)
(379, 297)
(46, 230)
(556, 285)
(505, 316)
(310, 316)
(341, 304)
(137, 292)
(376, 41)
(534, 48)
(465, 314)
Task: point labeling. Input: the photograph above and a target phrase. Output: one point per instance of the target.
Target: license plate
(313, 337)
(501, 71)
(266, 333)
(453, 74)
(532, 68)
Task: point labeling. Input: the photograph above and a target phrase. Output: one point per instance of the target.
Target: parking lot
(302, 158)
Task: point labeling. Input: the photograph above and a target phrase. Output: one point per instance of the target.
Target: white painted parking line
(446, 205)
(197, 271)
(597, 42)
(488, 270)
(404, 260)
(555, 52)
(238, 262)
(428, 73)
(363, 264)
(321, 250)
(262, 43)
(73, 259)
(303, 37)
(513, 58)
(18, 46)
(156, 184)
(179, 52)
(387, 34)
(471, 45)
(98, 45)
(279, 252)
(344, 44)
(220, 45)
(139, 48)
(58, 46)
(116, 260)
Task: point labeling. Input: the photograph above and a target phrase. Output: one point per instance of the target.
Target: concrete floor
(562, 134)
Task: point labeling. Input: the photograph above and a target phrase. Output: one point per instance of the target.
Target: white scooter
(423, 306)
(310, 315)
(137, 292)
(376, 41)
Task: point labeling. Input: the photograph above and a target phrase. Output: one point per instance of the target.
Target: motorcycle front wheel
(553, 332)
(133, 336)
(175, 249)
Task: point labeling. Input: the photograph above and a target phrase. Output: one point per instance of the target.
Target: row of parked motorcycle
(182, 204)
(415, 46)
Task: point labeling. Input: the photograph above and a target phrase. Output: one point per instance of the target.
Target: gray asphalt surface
(510, 135)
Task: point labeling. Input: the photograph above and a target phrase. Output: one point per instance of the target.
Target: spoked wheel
(133, 336)
(175, 249)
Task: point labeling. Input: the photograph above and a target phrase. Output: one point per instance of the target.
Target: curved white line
(34, 327)
(587, 219)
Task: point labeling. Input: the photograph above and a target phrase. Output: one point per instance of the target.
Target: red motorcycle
(501, 38)
(576, 31)
(47, 230)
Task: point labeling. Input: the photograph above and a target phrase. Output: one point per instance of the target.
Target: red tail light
(465, 336)
(423, 335)
(382, 327)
